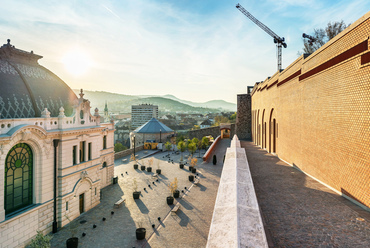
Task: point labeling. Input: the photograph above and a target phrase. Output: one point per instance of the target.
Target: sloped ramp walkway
(300, 212)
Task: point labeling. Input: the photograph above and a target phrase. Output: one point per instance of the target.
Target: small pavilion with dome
(152, 135)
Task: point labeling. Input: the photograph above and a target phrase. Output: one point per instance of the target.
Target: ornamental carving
(47, 146)
(83, 175)
(45, 113)
(26, 135)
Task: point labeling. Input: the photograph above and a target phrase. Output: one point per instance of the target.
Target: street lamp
(160, 135)
(134, 145)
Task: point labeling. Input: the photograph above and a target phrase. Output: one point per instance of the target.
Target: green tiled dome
(27, 88)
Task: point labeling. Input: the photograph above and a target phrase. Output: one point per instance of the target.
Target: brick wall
(316, 113)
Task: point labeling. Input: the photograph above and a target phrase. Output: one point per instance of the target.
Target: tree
(233, 118)
(199, 146)
(119, 147)
(168, 146)
(322, 36)
(180, 138)
(195, 127)
(181, 146)
(205, 142)
(221, 119)
(195, 141)
(192, 147)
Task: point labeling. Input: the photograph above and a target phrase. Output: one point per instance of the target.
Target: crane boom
(280, 41)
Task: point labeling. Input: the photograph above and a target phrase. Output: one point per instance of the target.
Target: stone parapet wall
(236, 220)
(315, 114)
(213, 131)
(124, 153)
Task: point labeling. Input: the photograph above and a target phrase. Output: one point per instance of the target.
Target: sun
(76, 62)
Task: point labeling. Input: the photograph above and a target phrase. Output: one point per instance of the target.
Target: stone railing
(236, 220)
(126, 152)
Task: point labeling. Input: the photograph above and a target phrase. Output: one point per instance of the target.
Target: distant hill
(218, 104)
(167, 103)
(98, 98)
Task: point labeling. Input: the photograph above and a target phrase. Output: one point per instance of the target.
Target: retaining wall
(126, 152)
(214, 131)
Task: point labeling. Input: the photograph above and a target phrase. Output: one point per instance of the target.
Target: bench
(196, 181)
(174, 210)
(119, 203)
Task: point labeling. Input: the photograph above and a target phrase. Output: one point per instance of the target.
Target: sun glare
(76, 62)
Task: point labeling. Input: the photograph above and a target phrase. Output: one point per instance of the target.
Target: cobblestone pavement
(300, 212)
(188, 227)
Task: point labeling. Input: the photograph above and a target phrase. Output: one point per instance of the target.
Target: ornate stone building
(55, 156)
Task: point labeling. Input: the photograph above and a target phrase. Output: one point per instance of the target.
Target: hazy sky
(197, 50)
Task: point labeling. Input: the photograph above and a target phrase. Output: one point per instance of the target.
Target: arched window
(105, 142)
(18, 178)
(104, 164)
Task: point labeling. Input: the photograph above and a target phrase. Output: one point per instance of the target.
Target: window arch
(105, 142)
(104, 164)
(18, 178)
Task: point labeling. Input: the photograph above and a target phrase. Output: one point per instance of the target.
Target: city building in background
(142, 113)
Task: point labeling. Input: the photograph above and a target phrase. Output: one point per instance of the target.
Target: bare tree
(321, 36)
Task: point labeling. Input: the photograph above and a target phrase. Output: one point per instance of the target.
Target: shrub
(40, 241)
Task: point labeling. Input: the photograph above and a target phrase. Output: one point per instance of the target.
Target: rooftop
(153, 126)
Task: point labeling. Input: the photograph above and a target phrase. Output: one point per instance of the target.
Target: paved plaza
(297, 211)
(300, 212)
(188, 227)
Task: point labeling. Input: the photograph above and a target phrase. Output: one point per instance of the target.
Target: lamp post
(134, 146)
(160, 135)
(55, 223)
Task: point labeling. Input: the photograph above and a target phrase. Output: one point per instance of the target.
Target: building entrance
(82, 203)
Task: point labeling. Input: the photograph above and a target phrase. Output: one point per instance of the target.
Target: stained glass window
(18, 177)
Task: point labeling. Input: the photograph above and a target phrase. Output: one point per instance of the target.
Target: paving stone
(300, 212)
(189, 227)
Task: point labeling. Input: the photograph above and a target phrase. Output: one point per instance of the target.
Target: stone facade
(87, 176)
(315, 114)
(46, 128)
(243, 117)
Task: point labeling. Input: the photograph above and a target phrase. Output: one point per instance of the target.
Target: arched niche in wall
(272, 131)
(263, 122)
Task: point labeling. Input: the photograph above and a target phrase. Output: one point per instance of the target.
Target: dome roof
(27, 88)
(153, 126)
